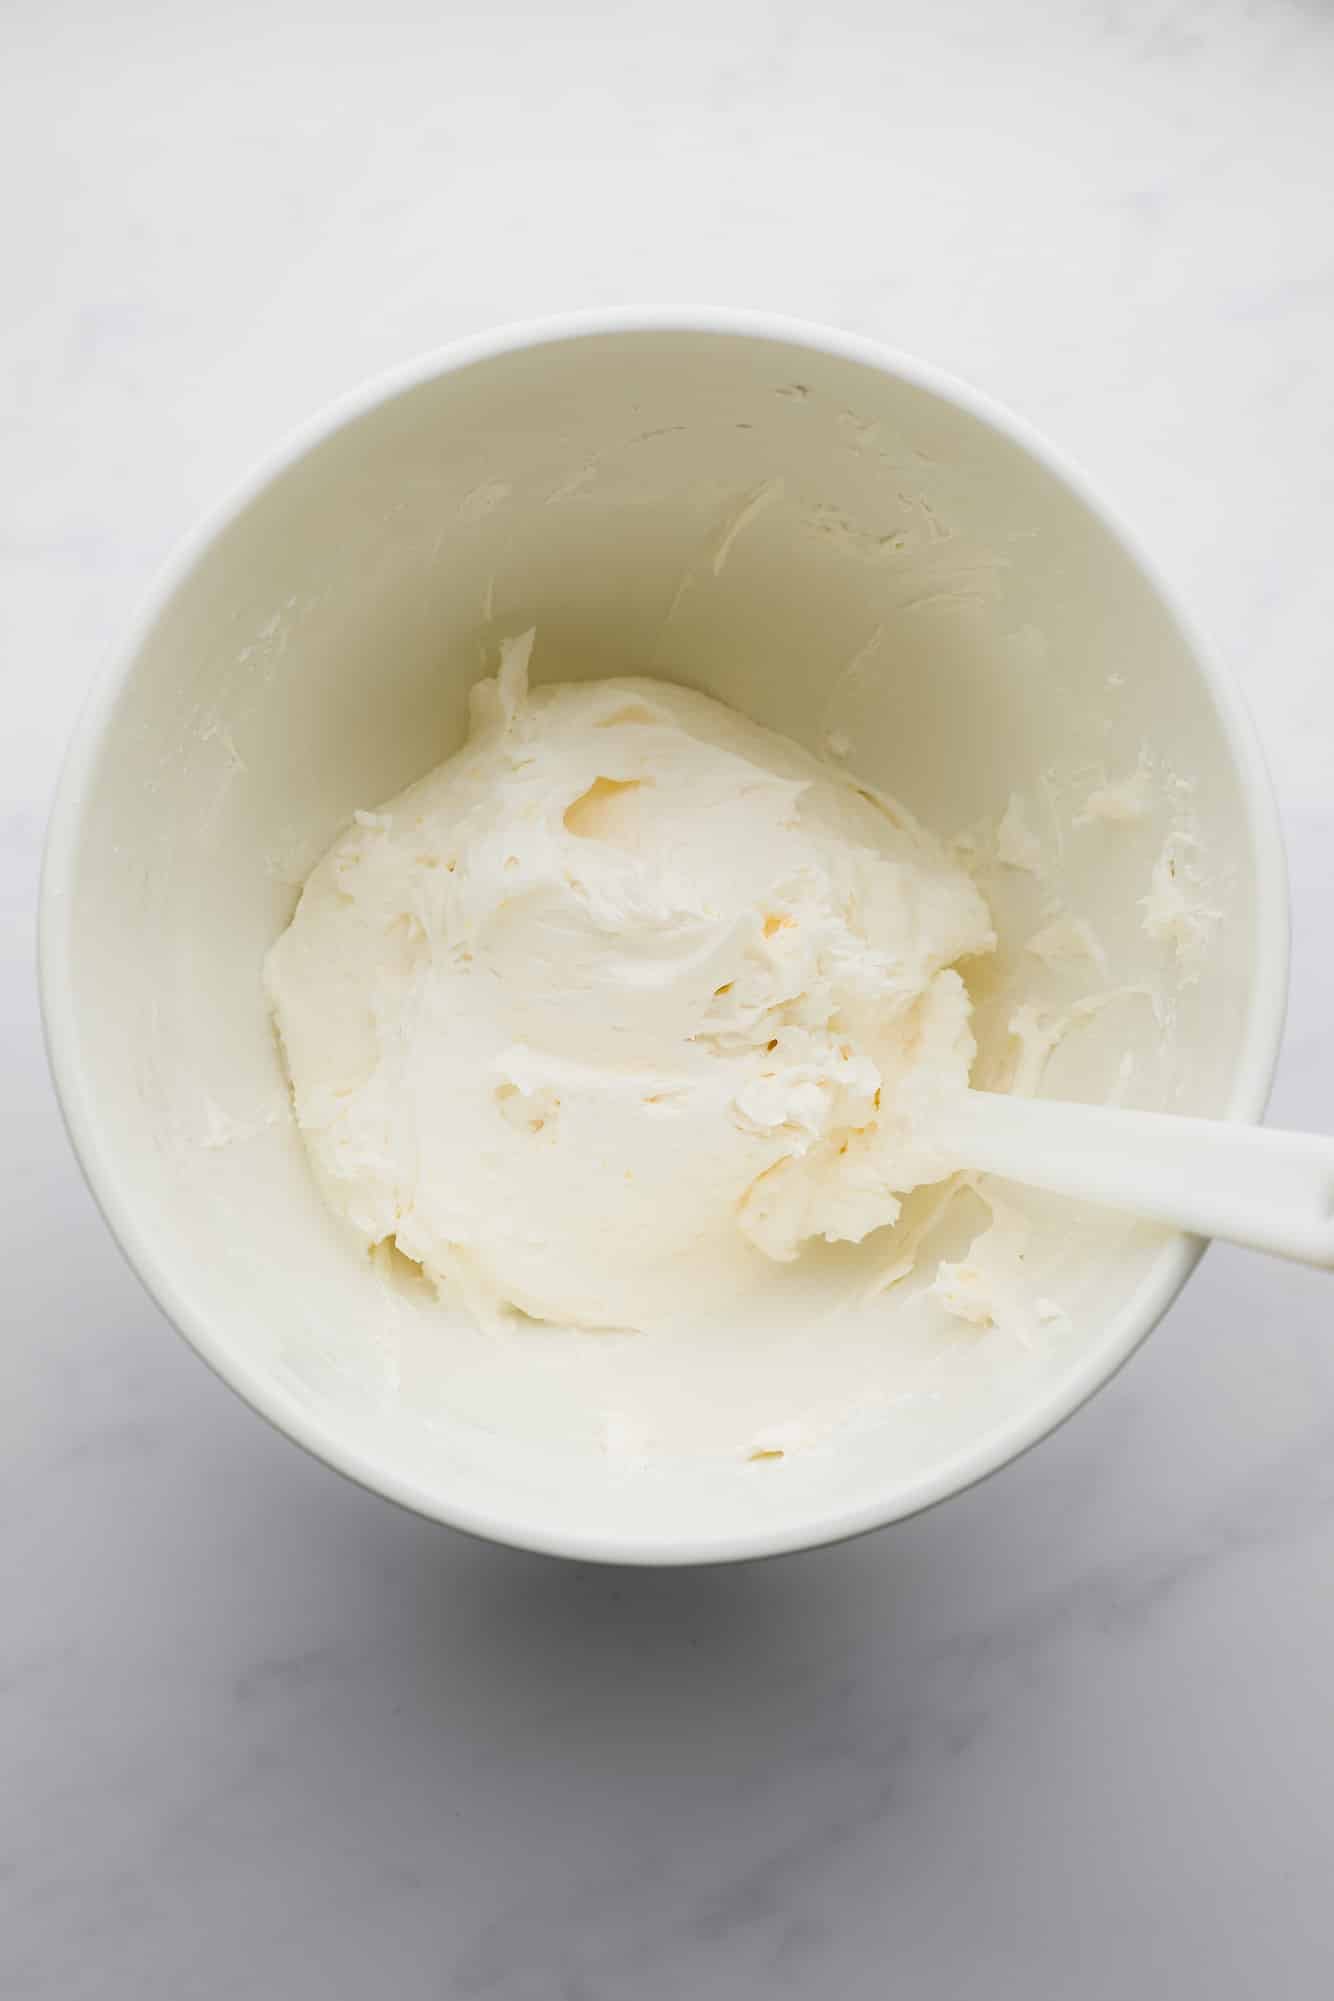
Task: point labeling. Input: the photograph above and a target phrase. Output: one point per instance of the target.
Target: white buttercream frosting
(624, 1000)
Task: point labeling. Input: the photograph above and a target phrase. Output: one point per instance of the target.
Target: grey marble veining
(261, 1733)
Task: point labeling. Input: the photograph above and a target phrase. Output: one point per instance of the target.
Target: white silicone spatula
(1271, 1190)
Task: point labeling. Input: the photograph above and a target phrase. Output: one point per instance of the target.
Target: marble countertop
(262, 1734)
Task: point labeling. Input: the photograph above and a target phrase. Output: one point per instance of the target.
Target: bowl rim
(521, 1527)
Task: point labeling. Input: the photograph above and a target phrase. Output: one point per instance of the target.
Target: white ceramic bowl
(871, 547)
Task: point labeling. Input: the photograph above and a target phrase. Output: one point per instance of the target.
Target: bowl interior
(842, 552)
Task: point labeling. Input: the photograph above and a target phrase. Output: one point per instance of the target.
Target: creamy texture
(626, 1001)
(1120, 802)
(1174, 911)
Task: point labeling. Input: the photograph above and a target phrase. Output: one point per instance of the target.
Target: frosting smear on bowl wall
(625, 1005)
